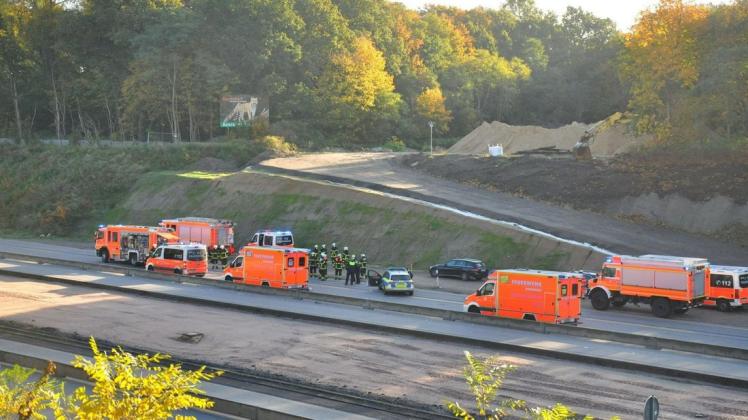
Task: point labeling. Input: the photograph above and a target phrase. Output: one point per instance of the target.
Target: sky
(622, 12)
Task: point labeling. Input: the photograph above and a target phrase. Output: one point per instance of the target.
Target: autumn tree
(358, 91)
(430, 107)
(662, 62)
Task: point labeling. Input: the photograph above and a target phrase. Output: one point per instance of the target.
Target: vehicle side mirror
(477, 292)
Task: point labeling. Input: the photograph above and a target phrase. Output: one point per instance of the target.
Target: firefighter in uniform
(323, 265)
(333, 251)
(224, 256)
(346, 255)
(351, 269)
(337, 264)
(362, 268)
(314, 260)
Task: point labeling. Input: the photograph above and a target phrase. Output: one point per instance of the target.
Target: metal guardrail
(541, 328)
(649, 342)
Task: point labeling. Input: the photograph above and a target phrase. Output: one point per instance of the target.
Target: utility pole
(431, 137)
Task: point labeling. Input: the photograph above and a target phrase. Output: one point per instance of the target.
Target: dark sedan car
(463, 268)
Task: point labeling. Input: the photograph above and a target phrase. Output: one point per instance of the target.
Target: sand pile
(517, 138)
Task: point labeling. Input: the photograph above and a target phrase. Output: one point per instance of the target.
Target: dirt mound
(696, 194)
(516, 138)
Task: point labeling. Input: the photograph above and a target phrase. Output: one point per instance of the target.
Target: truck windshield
(284, 240)
(196, 254)
(99, 234)
(744, 280)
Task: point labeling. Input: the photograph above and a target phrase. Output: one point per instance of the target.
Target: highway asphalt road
(384, 169)
(701, 325)
(611, 351)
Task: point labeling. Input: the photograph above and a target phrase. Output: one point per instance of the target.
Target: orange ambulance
(189, 260)
(130, 243)
(727, 287)
(277, 267)
(545, 296)
(668, 284)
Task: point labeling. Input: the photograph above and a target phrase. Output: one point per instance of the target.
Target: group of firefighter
(320, 260)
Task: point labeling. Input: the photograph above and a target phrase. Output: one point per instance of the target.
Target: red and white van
(189, 260)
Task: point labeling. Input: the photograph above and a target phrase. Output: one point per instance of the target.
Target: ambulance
(668, 284)
(727, 287)
(535, 295)
(130, 243)
(271, 266)
(185, 259)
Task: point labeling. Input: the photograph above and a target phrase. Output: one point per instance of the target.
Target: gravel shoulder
(365, 361)
(387, 170)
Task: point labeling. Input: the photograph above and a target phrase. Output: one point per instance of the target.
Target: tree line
(361, 72)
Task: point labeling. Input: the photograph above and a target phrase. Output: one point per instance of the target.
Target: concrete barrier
(649, 342)
(570, 330)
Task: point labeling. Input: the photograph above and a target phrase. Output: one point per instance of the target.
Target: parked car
(462, 268)
(392, 281)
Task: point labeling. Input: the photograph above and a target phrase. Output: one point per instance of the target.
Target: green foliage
(125, 386)
(24, 398)
(345, 72)
(51, 189)
(485, 378)
(395, 144)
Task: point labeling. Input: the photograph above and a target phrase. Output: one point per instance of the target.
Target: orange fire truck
(130, 243)
(727, 287)
(544, 296)
(277, 267)
(212, 233)
(668, 284)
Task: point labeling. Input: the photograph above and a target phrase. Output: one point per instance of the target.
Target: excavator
(582, 150)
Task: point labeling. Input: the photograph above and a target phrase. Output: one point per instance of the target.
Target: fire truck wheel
(229, 278)
(177, 271)
(599, 300)
(149, 268)
(133, 259)
(661, 307)
(620, 303)
(723, 305)
(105, 256)
(474, 310)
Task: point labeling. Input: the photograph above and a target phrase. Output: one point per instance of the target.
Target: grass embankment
(68, 191)
(387, 230)
(60, 190)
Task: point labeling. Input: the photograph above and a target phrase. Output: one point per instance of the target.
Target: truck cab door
(487, 298)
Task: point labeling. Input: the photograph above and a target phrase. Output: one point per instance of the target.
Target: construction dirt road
(386, 171)
(398, 367)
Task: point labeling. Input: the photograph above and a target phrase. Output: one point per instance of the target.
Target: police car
(394, 280)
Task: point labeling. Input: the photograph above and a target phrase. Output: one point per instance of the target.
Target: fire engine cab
(130, 243)
(727, 287)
